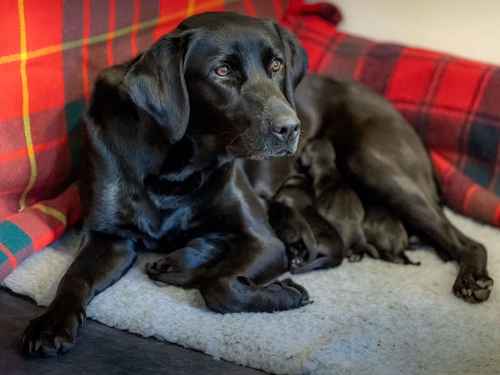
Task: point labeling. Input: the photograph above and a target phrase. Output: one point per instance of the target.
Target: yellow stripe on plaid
(27, 122)
(112, 34)
(52, 212)
(26, 106)
(190, 8)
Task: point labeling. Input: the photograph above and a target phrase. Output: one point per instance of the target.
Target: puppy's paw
(407, 260)
(361, 249)
(473, 288)
(355, 258)
(398, 257)
(295, 263)
(52, 333)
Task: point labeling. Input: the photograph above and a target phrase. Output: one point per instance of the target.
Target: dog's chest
(177, 202)
(178, 216)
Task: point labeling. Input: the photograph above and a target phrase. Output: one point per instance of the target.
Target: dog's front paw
(161, 266)
(52, 333)
(473, 288)
(168, 271)
(301, 296)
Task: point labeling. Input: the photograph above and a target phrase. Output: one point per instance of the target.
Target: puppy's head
(317, 155)
(286, 208)
(224, 75)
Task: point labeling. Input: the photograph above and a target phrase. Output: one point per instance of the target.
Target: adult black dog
(385, 161)
(163, 132)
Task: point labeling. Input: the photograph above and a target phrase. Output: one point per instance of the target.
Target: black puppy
(163, 132)
(385, 232)
(311, 242)
(336, 202)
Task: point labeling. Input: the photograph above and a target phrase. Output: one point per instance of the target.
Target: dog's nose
(286, 128)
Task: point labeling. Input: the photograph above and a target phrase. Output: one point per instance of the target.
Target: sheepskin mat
(370, 317)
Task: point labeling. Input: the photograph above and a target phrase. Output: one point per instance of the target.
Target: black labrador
(163, 132)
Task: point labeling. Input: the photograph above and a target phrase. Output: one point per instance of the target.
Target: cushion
(450, 101)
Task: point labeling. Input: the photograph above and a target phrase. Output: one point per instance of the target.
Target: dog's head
(224, 75)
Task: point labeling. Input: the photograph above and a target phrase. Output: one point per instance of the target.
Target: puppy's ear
(155, 83)
(295, 61)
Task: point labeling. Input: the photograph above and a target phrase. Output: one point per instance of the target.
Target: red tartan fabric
(55, 49)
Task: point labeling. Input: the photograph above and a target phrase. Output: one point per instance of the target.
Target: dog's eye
(275, 65)
(223, 70)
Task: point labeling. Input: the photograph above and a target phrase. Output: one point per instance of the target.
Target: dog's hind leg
(421, 212)
(101, 262)
(473, 283)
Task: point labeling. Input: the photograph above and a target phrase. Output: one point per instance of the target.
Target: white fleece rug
(367, 318)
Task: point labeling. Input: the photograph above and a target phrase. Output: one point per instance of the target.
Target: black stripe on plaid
(482, 143)
(422, 121)
(379, 64)
(343, 56)
(149, 9)
(124, 12)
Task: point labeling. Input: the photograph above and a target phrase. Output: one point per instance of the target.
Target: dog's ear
(155, 82)
(295, 61)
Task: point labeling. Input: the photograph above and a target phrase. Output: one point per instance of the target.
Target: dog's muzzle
(284, 127)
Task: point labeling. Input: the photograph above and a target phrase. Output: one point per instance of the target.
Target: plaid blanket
(55, 50)
(451, 102)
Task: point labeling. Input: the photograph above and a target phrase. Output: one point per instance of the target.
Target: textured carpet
(367, 318)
